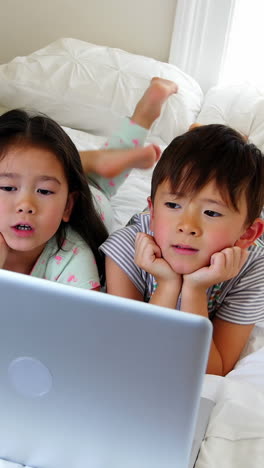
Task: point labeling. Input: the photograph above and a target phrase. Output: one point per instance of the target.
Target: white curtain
(200, 37)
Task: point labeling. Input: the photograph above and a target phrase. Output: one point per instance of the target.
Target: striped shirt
(239, 300)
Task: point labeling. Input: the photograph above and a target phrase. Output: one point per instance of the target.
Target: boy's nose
(188, 230)
(189, 227)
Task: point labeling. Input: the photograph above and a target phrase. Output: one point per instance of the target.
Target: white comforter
(235, 434)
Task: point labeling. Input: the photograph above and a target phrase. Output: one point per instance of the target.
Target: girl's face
(34, 198)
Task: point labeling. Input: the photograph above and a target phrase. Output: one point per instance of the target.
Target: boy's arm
(228, 338)
(169, 283)
(118, 283)
(148, 257)
(3, 251)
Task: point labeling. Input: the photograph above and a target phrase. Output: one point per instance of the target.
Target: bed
(88, 89)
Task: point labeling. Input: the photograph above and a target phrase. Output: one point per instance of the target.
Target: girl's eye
(45, 192)
(8, 188)
(172, 205)
(212, 214)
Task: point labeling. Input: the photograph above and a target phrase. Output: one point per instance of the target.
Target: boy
(195, 250)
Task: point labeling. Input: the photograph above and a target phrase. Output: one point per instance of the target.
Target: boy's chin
(185, 269)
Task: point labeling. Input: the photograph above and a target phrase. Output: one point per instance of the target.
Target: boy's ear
(251, 234)
(151, 210)
(69, 206)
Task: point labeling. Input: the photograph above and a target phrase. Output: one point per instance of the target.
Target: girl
(48, 222)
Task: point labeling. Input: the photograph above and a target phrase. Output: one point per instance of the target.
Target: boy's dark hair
(19, 128)
(214, 152)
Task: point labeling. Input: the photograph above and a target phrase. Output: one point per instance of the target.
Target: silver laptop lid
(96, 381)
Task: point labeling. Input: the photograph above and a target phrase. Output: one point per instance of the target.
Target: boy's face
(189, 230)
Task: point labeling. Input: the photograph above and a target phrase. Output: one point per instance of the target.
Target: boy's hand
(148, 257)
(224, 266)
(3, 251)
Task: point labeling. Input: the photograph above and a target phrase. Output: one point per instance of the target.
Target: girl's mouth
(23, 227)
(23, 230)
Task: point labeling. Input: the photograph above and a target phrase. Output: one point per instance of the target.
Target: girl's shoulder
(74, 256)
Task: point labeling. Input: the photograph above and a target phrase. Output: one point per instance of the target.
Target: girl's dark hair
(19, 128)
(219, 153)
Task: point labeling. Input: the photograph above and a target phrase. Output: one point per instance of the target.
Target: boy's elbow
(215, 366)
(218, 368)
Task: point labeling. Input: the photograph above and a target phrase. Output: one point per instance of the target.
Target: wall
(139, 26)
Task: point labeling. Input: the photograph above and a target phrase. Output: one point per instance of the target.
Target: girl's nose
(26, 206)
(23, 210)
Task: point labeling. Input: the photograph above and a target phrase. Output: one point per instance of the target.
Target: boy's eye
(172, 205)
(45, 192)
(8, 188)
(212, 213)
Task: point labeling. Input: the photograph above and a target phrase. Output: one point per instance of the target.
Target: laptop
(89, 380)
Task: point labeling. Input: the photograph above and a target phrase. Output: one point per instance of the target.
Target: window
(199, 38)
(219, 41)
(243, 59)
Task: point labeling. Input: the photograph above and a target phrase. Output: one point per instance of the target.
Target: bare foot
(195, 125)
(149, 107)
(111, 162)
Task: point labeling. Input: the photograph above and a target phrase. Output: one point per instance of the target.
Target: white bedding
(78, 83)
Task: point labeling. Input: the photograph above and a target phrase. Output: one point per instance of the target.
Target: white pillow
(240, 105)
(89, 87)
